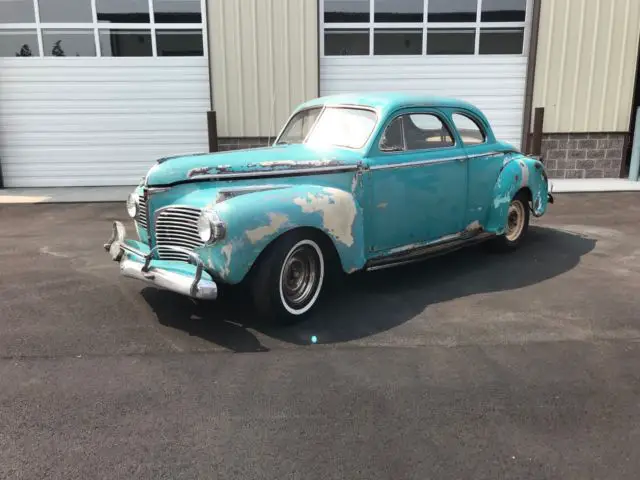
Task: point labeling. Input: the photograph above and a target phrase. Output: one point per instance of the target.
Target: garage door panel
(495, 84)
(66, 122)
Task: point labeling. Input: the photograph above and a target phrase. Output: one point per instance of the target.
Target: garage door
(93, 92)
(475, 50)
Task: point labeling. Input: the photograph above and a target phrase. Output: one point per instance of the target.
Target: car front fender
(256, 219)
(518, 172)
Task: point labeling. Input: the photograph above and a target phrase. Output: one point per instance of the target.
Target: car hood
(282, 160)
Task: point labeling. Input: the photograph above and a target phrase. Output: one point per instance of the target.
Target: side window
(470, 132)
(392, 139)
(424, 131)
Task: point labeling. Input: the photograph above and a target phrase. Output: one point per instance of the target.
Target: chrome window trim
(433, 161)
(439, 117)
(324, 107)
(475, 121)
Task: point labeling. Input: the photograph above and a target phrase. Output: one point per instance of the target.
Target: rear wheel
(517, 224)
(289, 278)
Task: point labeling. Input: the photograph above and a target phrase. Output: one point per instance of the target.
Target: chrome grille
(177, 227)
(142, 214)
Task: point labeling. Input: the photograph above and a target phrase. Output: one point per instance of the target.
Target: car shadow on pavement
(368, 303)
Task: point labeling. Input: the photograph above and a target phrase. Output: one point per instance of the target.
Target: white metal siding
(98, 121)
(495, 84)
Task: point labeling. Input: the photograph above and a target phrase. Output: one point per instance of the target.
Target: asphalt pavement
(472, 365)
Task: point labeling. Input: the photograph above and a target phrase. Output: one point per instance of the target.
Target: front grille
(177, 227)
(142, 214)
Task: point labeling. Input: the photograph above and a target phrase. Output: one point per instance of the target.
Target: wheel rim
(301, 277)
(515, 220)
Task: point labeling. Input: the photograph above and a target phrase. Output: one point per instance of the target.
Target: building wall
(586, 63)
(265, 62)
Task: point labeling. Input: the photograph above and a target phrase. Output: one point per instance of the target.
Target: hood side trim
(259, 174)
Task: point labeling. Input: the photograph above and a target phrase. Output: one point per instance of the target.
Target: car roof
(387, 102)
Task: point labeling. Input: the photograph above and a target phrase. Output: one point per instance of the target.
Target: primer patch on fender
(276, 220)
(338, 212)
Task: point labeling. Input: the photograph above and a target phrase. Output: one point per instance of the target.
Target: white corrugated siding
(495, 84)
(98, 121)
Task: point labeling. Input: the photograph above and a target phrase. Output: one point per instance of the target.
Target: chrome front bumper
(136, 261)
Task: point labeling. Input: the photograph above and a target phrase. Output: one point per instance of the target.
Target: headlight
(210, 227)
(133, 205)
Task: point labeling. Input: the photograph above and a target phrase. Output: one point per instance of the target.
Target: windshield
(339, 126)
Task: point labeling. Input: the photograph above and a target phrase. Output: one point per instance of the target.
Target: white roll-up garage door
(95, 101)
(475, 50)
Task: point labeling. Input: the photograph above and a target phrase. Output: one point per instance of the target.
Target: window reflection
(452, 10)
(346, 11)
(68, 43)
(16, 11)
(123, 11)
(179, 43)
(397, 42)
(451, 41)
(346, 42)
(177, 11)
(18, 43)
(65, 11)
(395, 11)
(125, 43)
(503, 10)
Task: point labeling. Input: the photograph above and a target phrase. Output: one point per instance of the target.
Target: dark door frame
(635, 103)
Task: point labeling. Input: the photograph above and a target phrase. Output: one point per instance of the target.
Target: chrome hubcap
(300, 276)
(515, 220)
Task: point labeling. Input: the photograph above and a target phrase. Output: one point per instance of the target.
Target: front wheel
(288, 280)
(517, 224)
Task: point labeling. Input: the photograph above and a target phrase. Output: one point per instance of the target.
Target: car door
(483, 164)
(417, 181)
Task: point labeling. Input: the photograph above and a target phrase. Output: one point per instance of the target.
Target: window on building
(68, 43)
(470, 132)
(64, 11)
(346, 11)
(450, 41)
(177, 11)
(397, 42)
(503, 10)
(17, 11)
(346, 42)
(453, 10)
(423, 131)
(501, 41)
(403, 27)
(179, 43)
(121, 11)
(391, 11)
(103, 28)
(19, 43)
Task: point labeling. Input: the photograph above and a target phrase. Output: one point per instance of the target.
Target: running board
(425, 252)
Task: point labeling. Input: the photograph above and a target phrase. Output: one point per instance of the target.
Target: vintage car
(352, 182)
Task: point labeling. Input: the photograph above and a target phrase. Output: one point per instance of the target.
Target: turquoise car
(352, 182)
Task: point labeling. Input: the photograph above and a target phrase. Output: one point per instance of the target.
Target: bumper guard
(194, 287)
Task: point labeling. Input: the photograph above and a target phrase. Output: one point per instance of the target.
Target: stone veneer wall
(565, 155)
(583, 155)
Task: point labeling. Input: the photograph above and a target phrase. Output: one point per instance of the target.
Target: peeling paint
(226, 251)
(272, 164)
(383, 205)
(338, 211)
(525, 174)
(275, 222)
(473, 226)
